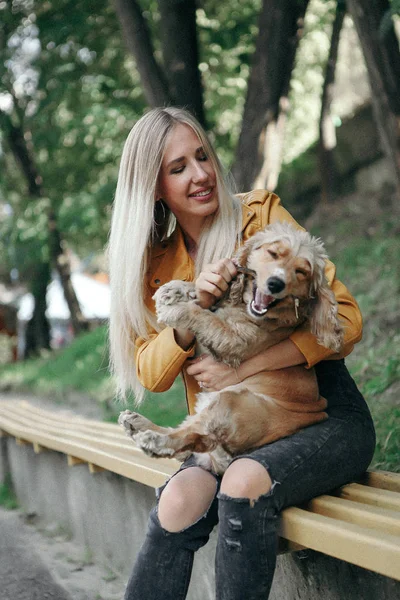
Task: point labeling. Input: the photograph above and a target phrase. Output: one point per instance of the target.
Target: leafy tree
(65, 95)
(268, 83)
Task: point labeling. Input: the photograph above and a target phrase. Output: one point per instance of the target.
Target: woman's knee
(246, 478)
(186, 498)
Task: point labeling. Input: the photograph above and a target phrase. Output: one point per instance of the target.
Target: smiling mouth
(261, 303)
(201, 194)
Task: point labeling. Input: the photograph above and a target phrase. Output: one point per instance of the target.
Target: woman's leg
(178, 526)
(246, 548)
(304, 465)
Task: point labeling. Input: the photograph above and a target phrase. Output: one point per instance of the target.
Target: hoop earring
(164, 215)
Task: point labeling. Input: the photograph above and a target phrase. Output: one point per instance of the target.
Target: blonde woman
(175, 217)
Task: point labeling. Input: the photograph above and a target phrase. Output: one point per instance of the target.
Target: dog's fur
(280, 285)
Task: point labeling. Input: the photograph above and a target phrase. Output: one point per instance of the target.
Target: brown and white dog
(280, 286)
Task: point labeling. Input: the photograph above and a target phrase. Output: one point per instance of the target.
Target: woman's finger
(213, 283)
(224, 267)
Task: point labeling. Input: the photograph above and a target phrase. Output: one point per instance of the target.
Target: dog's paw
(153, 444)
(173, 292)
(172, 301)
(133, 422)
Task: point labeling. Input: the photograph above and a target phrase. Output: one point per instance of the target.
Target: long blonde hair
(134, 230)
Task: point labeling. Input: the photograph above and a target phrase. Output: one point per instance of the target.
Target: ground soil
(38, 562)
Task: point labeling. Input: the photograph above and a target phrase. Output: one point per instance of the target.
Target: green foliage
(82, 368)
(227, 33)
(365, 247)
(8, 498)
(76, 95)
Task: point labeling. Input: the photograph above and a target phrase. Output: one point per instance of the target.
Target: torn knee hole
(235, 524)
(233, 545)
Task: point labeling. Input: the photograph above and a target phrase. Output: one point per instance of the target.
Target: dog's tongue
(262, 301)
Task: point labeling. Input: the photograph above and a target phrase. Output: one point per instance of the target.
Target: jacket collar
(174, 261)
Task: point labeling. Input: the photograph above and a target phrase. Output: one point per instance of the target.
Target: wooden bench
(358, 523)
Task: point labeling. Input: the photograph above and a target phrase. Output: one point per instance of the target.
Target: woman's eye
(203, 157)
(176, 171)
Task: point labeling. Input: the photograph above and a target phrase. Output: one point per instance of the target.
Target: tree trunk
(62, 264)
(22, 154)
(37, 335)
(382, 59)
(138, 41)
(260, 142)
(327, 134)
(181, 54)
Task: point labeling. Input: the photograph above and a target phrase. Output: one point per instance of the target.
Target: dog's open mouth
(261, 303)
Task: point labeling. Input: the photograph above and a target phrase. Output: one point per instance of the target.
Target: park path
(23, 575)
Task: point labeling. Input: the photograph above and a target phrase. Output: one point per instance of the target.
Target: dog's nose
(275, 285)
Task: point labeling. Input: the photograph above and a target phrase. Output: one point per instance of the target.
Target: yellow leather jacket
(159, 359)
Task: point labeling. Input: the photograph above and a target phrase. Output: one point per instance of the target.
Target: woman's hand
(213, 281)
(214, 376)
(211, 375)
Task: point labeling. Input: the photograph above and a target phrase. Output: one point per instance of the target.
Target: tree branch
(138, 41)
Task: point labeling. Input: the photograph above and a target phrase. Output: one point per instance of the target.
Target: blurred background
(299, 97)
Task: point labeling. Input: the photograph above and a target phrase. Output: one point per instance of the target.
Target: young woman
(175, 218)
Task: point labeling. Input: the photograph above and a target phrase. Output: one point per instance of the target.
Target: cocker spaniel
(280, 285)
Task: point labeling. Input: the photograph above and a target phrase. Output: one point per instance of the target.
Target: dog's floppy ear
(237, 288)
(242, 254)
(238, 284)
(325, 323)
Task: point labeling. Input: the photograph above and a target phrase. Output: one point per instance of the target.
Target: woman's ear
(325, 323)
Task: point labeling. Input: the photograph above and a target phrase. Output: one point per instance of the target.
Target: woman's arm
(216, 375)
(160, 358)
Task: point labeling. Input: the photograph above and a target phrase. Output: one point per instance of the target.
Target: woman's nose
(200, 174)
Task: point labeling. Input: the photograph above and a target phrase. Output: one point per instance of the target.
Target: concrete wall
(107, 514)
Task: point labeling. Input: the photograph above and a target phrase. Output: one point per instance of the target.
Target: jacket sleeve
(348, 310)
(159, 360)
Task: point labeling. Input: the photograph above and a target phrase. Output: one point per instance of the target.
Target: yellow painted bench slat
(373, 496)
(379, 552)
(357, 513)
(383, 480)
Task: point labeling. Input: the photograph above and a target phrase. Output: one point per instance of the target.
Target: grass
(8, 498)
(81, 369)
(82, 366)
(364, 244)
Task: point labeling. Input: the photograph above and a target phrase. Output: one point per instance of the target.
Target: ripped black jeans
(302, 466)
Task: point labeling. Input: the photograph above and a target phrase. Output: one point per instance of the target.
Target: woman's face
(187, 180)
